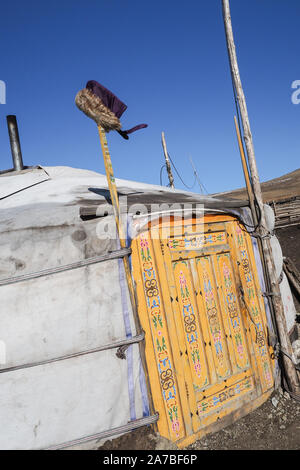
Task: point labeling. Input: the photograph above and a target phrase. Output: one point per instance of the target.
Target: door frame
(171, 372)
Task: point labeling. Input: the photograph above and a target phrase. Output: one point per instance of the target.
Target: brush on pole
(116, 207)
(101, 105)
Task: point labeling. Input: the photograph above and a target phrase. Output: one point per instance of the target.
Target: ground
(273, 426)
(277, 189)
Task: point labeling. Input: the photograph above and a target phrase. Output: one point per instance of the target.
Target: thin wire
(297, 366)
(250, 314)
(201, 185)
(188, 187)
(160, 174)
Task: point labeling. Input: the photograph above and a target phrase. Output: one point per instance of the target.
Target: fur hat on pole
(101, 105)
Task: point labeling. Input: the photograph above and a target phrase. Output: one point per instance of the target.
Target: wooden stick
(242, 103)
(271, 279)
(116, 207)
(169, 169)
(246, 173)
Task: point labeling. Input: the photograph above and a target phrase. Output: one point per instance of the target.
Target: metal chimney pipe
(15, 142)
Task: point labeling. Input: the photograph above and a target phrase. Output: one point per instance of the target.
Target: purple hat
(104, 107)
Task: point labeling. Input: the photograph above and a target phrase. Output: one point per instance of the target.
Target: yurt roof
(55, 195)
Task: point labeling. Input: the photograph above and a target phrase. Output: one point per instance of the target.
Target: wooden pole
(169, 169)
(242, 104)
(285, 344)
(246, 173)
(116, 208)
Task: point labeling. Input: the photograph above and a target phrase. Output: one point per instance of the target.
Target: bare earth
(273, 426)
(284, 187)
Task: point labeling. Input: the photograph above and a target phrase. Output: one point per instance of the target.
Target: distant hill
(278, 189)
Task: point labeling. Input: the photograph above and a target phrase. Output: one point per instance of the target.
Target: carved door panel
(202, 310)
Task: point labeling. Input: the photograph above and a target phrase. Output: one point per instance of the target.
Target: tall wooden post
(169, 169)
(285, 344)
(246, 172)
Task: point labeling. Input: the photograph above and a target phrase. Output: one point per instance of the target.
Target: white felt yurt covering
(50, 393)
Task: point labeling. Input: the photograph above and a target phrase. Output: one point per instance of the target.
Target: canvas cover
(50, 217)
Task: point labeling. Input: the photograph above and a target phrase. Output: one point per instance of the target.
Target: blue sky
(167, 61)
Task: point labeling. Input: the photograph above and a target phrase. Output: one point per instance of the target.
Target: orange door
(202, 310)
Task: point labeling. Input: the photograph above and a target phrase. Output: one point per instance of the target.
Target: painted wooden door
(202, 310)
